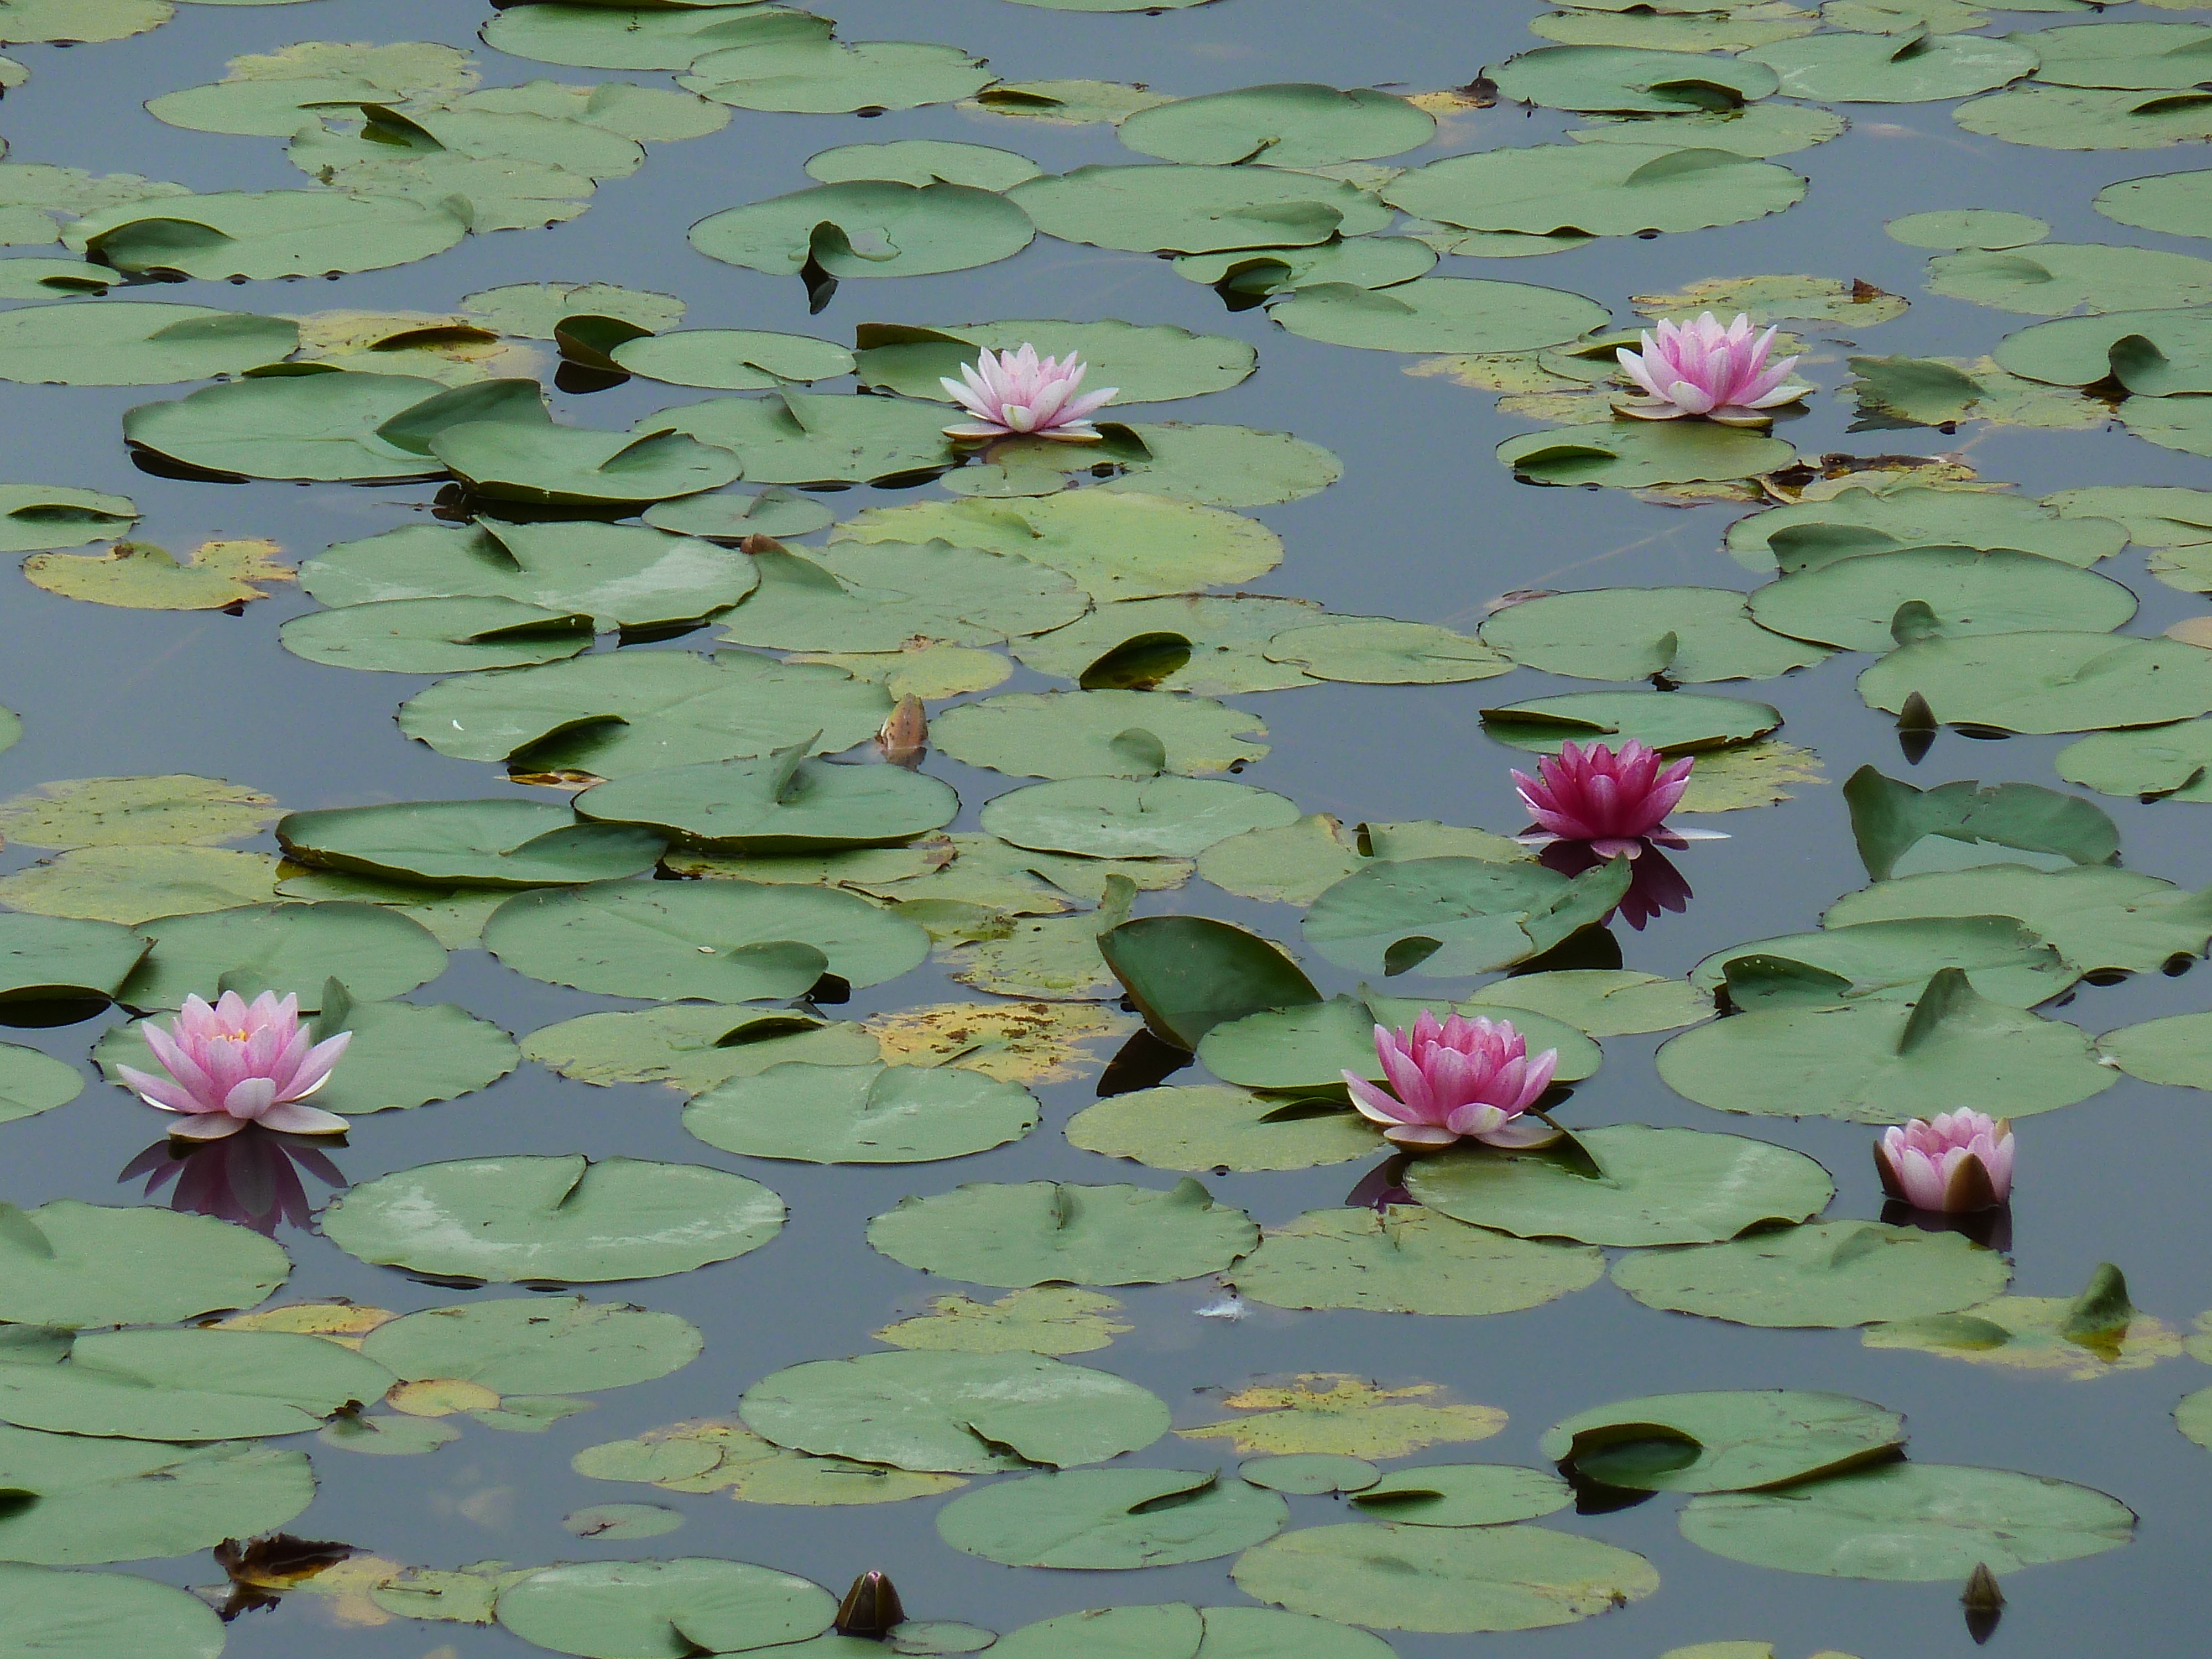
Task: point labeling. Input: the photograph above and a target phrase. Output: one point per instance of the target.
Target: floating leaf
(1440, 313)
(1294, 126)
(1048, 1319)
(266, 234)
(1307, 1046)
(862, 1114)
(2054, 278)
(1175, 1630)
(868, 228)
(2030, 1333)
(1022, 1042)
(1444, 1578)
(1638, 454)
(1595, 190)
(1953, 229)
(1601, 1001)
(1463, 1495)
(1043, 1232)
(1738, 1440)
(637, 1609)
(1405, 1260)
(1132, 818)
(1827, 1274)
(1673, 722)
(1309, 1475)
(132, 343)
(922, 161)
(199, 1384)
(1652, 1187)
(1111, 1519)
(2049, 681)
(1757, 129)
(495, 843)
(536, 1345)
(1216, 1129)
(829, 77)
(1297, 863)
(1616, 79)
(1890, 818)
(868, 596)
(1911, 1523)
(1379, 653)
(133, 885)
(1623, 633)
(1148, 364)
(1196, 210)
(508, 1220)
(84, 1500)
(1482, 915)
(1808, 534)
(568, 466)
(48, 959)
(691, 1047)
(1894, 959)
(955, 1413)
(2098, 917)
(288, 948)
(1330, 1412)
(712, 1455)
(72, 1265)
(322, 426)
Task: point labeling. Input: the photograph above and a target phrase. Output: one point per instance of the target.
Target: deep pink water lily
(1014, 394)
(238, 1063)
(1953, 1162)
(1703, 368)
(1610, 800)
(1470, 1079)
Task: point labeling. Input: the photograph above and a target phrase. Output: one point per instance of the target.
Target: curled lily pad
(1736, 1440)
(1636, 454)
(868, 228)
(1827, 1274)
(1673, 722)
(266, 234)
(1911, 1523)
(1444, 1578)
(1043, 1231)
(1111, 1519)
(862, 1114)
(1474, 915)
(33, 517)
(955, 1412)
(726, 941)
(561, 1219)
(1890, 819)
(1408, 1260)
(495, 843)
(1652, 1187)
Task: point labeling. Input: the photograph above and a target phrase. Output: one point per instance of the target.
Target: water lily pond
(835, 963)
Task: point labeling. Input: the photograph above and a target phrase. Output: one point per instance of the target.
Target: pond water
(115, 677)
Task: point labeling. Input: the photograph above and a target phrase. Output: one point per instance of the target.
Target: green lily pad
(1046, 1319)
(1336, 1412)
(1892, 960)
(780, 803)
(663, 1609)
(1440, 313)
(730, 515)
(1888, 69)
(2052, 681)
(623, 576)
(591, 34)
(2173, 1050)
(722, 941)
(491, 843)
(2041, 1333)
(52, 958)
(1953, 229)
(862, 596)
(1890, 819)
(1911, 1523)
(1653, 1187)
(1758, 130)
(1636, 454)
(1132, 818)
(536, 1345)
(862, 1114)
(1181, 642)
(1206, 1127)
(1380, 653)
(2174, 204)
(1673, 722)
(868, 228)
(31, 1082)
(1297, 863)
(692, 1047)
(1601, 1002)
(1851, 603)
(1360, 261)
(923, 161)
(1407, 1259)
(1735, 1440)
(34, 517)
(72, 1265)
(568, 466)
(1148, 364)
(136, 343)
(85, 1500)
(1067, 103)
(2098, 917)
(1478, 915)
(516, 1220)
(1595, 190)
(97, 1616)
(1827, 1274)
(1113, 545)
(1183, 209)
(436, 636)
(623, 1520)
(801, 438)
(1294, 1048)
(1808, 534)
(264, 234)
(1616, 79)
(1293, 125)
(1463, 1495)
(1309, 1475)
(731, 359)
(1623, 634)
(2054, 278)
(1214, 464)
(198, 1384)
(957, 1412)
(287, 948)
(610, 714)
(2146, 57)
(289, 426)
(830, 77)
(1189, 974)
(1879, 1060)
(1446, 1579)
(1071, 734)
(1176, 1630)
(1111, 1519)
(1043, 1232)
(133, 885)
(402, 1054)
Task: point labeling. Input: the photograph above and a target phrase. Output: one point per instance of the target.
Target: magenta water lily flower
(1466, 1078)
(1614, 802)
(1015, 394)
(1954, 1162)
(238, 1063)
(1703, 368)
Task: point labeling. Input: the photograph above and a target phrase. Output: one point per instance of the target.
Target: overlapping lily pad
(864, 596)
(326, 426)
(1853, 602)
(1651, 1187)
(1440, 313)
(828, 77)
(955, 1413)
(1808, 534)
(592, 35)
(802, 438)
(1827, 1274)
(491, 843)
(1456, 915)
(72, 1265)
(509, 1220)
(1309, 1045)
(2054, 278)
(1673, 722)
(2003, 959)
(1153, 363)
(287, 948)
(1741, 1440)
(1132, 818)
(1625, 634)
(536, 1345)
(2098, 917)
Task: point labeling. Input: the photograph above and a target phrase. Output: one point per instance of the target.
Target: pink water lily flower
(239, 1063)
(1703, 368)
(1614, 802)
(1954, 1162)
(1464, 1079)
(1014, 394)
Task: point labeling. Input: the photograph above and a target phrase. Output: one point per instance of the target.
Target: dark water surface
(1424, 525)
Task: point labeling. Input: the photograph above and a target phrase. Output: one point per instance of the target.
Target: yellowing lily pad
(1330, 1412)
(140, 576)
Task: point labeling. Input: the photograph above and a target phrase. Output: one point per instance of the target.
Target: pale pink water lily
(1953, 1162)
(1703, 368)
(238, 1063)
(1015, 394)
(1613, 802)
(1465, 1078)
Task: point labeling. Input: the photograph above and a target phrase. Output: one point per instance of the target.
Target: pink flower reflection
(251, 1177)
